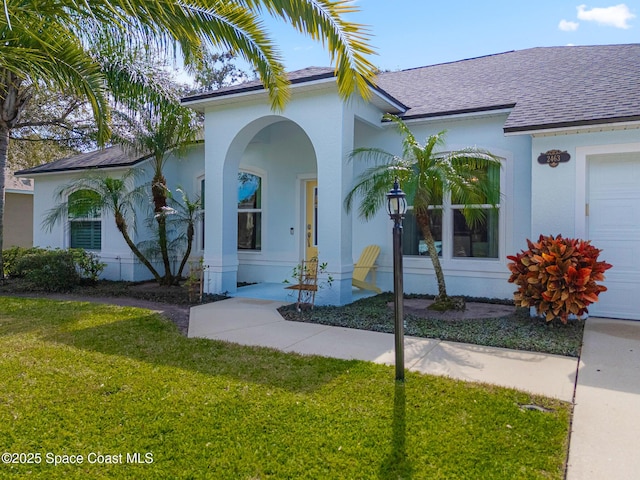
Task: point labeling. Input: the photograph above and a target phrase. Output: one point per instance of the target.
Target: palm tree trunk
(423, 222)
(190, 234)
(122, 227)
(159, 193)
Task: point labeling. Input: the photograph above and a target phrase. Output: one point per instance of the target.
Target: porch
(278, 292)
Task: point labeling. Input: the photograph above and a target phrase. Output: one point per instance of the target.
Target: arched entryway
(275, 160)
(275, 221)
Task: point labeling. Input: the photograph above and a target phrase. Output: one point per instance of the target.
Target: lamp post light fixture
(397, 207)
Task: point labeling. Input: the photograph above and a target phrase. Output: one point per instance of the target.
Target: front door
(311, 220)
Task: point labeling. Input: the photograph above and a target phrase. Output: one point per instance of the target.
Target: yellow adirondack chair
(365, 265)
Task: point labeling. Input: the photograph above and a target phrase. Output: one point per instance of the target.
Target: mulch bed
(418, 308)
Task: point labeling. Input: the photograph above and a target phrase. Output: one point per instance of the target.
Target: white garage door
(614, 227)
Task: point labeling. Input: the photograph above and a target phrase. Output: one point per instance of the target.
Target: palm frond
(373, 185)
(375, 155)
(323, 20)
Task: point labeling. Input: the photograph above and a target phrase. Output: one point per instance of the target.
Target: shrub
(53, 270)
(87, 264)
(557, 276)
(11, 257)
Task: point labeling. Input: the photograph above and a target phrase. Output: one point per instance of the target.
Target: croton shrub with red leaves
(557, 276)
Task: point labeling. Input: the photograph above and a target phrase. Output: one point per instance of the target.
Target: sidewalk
(256, 322)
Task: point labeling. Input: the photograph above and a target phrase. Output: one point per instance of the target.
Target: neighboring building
(18, 212)
(276, 182)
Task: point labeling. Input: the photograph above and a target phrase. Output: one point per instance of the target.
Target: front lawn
(118, 385)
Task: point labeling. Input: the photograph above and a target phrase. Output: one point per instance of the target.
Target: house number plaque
(553, 157)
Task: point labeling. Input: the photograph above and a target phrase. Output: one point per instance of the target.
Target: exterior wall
(559, 193)
(328, 125)
(114, 253)
(473, 277)
(18, 220)
(121, 263)
(319, 131)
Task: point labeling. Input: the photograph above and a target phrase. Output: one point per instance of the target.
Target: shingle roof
(545, 87)
(308, 74)
(548, 86)
(110, 157)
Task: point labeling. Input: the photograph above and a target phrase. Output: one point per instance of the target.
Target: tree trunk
(13, 99)
(159, 193)
(185, 258)
(423, 222)
(123, 229)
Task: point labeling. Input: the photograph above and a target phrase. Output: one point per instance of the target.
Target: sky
(414, 33)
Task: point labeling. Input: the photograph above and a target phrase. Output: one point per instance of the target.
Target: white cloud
(567, 26)
(616, 16)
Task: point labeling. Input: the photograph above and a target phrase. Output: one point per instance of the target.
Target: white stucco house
(274, 182)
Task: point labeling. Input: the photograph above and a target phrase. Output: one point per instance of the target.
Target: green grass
(80, 378)
(517, 331)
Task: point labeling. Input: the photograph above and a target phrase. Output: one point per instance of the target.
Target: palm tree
(427, 176)
(187, 213)
(167, 128)
(181, 215)
(49, 44)
(103, 194)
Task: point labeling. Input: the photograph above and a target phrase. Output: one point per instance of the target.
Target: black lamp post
(397, 207)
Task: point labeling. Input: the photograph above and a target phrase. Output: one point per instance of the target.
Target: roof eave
(386, 102)
(29, 173)
(381, 97)
(633, 120)
(460, 112)
(194, 100)
(18, 191)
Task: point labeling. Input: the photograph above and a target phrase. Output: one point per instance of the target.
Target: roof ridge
(548, 47)
(457, 61)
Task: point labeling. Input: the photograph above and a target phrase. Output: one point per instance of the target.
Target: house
(565, 122)
(100, 234)
(18, 212)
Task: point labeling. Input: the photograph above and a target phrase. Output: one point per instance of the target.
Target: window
(454, 236)
(249, 211)
(413, 243)
(85, 224)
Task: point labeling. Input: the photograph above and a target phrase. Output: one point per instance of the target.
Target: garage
(613, 222)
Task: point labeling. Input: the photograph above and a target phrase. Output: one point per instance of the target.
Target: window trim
(263, 223)
(97, 219)
(447, 259)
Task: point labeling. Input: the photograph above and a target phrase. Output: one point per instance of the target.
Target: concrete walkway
(256, 322)
(606, 421)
